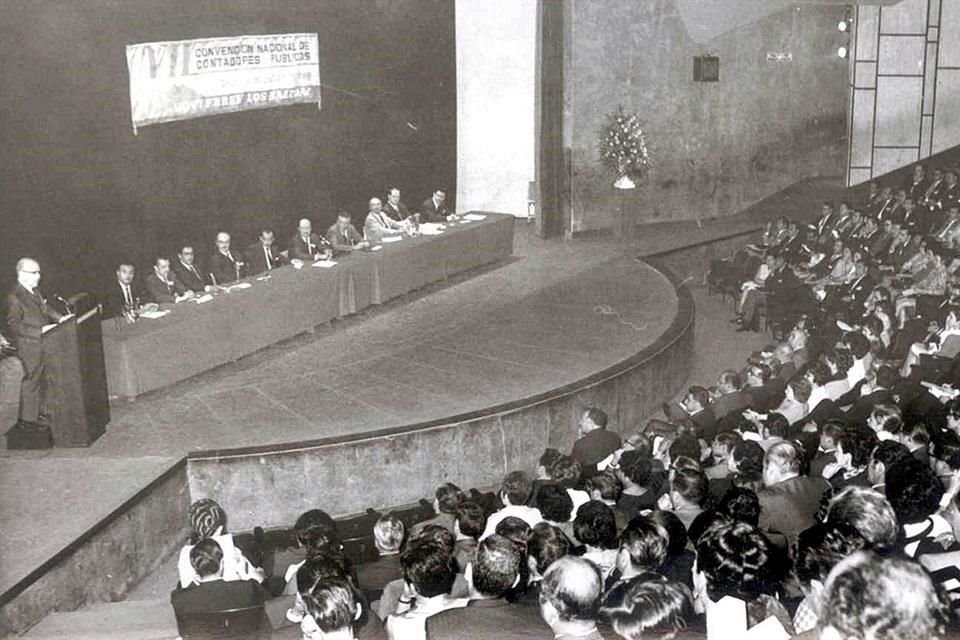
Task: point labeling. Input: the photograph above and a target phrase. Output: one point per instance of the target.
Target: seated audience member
(945, 343)
(556, 507)
(314, 533)
(546, 545)
(746, 465)
(595, 442)
(595, 527)
(308, 246)
(641, 488)
(210, 591)
(124, 296)
(794, 405)
(333, 610)
(643, 550)
(429, 575)
(886, 454)
(226, 265)
(764, 391)
(379, 225)
(774, 429)
(263, 254)
(916, 439)
(163, 286)
(737, 560)
(740, 505)
(209, 520)
(685, 445)
(882, 598)
(867, 511)
(434, 208)
(568, 473)
(189, 273)
(914, 492)
(854, 447)
(394, 208)
(396, 592)
(788, 501)
(343, 236)
(606, 487)
(445, 501)
(830, 432)
(467, 529)
(818, 550)
(547, 458)
(570, 599)
(689, 490)
(515, 492)
(640, 608)
(491, 578)
(679, 563)
(720, 450)
(696, 406)
(317, 569)
(729, 398)
(878, 390)
(374, 575)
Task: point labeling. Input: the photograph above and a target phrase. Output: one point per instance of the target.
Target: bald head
(571, 588)
(375, 205)
(304, 227)
(28, 273)
(223, 241)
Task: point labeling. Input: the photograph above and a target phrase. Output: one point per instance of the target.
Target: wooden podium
(77, 399)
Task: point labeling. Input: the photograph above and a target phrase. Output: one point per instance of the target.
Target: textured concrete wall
(718, 146)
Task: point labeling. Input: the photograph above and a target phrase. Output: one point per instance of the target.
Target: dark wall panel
(79, 190)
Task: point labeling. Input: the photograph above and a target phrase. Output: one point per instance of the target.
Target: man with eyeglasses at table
(187, 270)
(27, 314)
(307, 245)
(263, 255)
(226, 265)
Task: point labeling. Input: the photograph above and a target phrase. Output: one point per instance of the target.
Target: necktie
(194, 270)
(229, 255)
(126, 295)
(309, 245)
(269, 258)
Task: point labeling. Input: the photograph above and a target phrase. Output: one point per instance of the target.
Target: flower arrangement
(623, 148)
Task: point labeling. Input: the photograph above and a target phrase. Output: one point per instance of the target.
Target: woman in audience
(209, 520)
(885, 420)
(643, 550)
(315, 533)
(867, 511)
(467, 529)
(852, 457)
(746, 465)
(595, 527)
(641, 487)
(546, 545)
(794, 405)
(678, 564)
(915, 493)
(556, 507)
(931, 281)
(568, 473)
(945, 344)
(689, 490)
(655, 610)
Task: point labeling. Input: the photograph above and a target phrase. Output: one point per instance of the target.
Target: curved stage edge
(271, 485)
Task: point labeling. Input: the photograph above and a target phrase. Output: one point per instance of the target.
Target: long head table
(193, 338)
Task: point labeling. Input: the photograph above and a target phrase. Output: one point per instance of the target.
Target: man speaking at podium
(27, 314)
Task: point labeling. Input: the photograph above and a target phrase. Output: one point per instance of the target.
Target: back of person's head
(471, 519)
(913, 490)
(859, 346)
(332, 605)
(644, 543)
(317, 531)
(691, 485)
(514, 529)
(832, 430)
(729, 379)
(801, 388)
(435, 534)
(648, 609)
(317, 569)
(448, 496)
(888, 417)
(605, 486)
(676, 531)
(429, 569)
(728, 439)
(571, 590)
(946, 448)
(206, 518)
(546, 545)
(548, 457)
(554, 502)
(889, 452)
(867, 511)
(517, 487)
(496, 568)
(880, 598)
(206, 557)
(597, 417)
(738, 560)
(567, 472)
(388, 533)
(740, 505)
(887, 377)
(785, 457)
(819, 548)
(685, 446)
(595, 525)
(776, 425)
(858, 444)
(636, 467)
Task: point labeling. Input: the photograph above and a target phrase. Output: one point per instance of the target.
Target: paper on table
(392, 239)
(431, 229)
(325, 264)
(376, 248)
(204, 298)
(153, 315)
(47, 327)
(474, 216)
(239, 285)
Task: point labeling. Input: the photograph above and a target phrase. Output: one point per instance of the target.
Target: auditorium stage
(552, 314)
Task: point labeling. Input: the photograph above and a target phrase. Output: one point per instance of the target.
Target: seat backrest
(248, 622)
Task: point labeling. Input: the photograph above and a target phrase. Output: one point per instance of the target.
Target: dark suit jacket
(217, 596)
(257, 259)
(594, 447)
(430, 213)
(493, 619)
(298, 249)
(790, 506)
(374, 575)
(193, 281)
(344, 240)
(400, 213)
(161, 292)
(113, 301)
(26, 316)
(728, 403)
(863, 406)
(224, 269)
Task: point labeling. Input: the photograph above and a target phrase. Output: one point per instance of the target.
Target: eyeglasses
(35, 272)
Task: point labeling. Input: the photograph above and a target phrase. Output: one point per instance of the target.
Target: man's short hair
(607, 484)
(729, 378)
(693, 486)
(332, 604)
(882, 598)
(554, 502)
(567, 471)
(517, 486)
(740, 505)
(686, 446)
(777, 425)
(343, 213)
(819, 548)
(595, 525)
(546, 545)
(317, 531)
(739, 561)
(786, 455)
(573, 586)
(890, 452)
(448, 496)
(675, 529)
(429, 569)
(496, 567)
(514, 529)
(637, 467)
(646, 543)
(435, 534)
(859, 444)
(914, 491)
(700, 394)
(206, 516)
(597, 416)
(867, 511)
(205, 557)
(388, 532)
(641, 608)
(471, 519)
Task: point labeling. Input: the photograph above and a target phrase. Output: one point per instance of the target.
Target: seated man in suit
(343, 236)
(211, 593)
(788, 500)
(187, 270)
(395, 208)
(595, 442)
(163, 286)
(124, 297)
(379, 225)
(570, 598)
(226, 265)
(433, 208)
(263, 256)
(308, 246)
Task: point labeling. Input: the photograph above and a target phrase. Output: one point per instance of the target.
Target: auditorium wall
(718, 146)
(78, 189)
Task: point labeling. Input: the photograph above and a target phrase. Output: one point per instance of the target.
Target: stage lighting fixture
(842, 51)
(844, 25)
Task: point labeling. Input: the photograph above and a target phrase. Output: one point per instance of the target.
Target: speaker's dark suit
(429, 212)
(27, 313)
(224, 268)
(114, 303)
(192, 277)
(257, 258)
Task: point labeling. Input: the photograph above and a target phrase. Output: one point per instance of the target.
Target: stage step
(133, 620)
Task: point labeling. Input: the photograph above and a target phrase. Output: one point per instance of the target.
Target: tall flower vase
(624, 182)
(624, 223)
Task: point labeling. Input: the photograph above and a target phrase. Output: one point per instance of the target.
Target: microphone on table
(66, 305)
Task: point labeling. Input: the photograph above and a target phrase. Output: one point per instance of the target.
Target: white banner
(193, 78)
